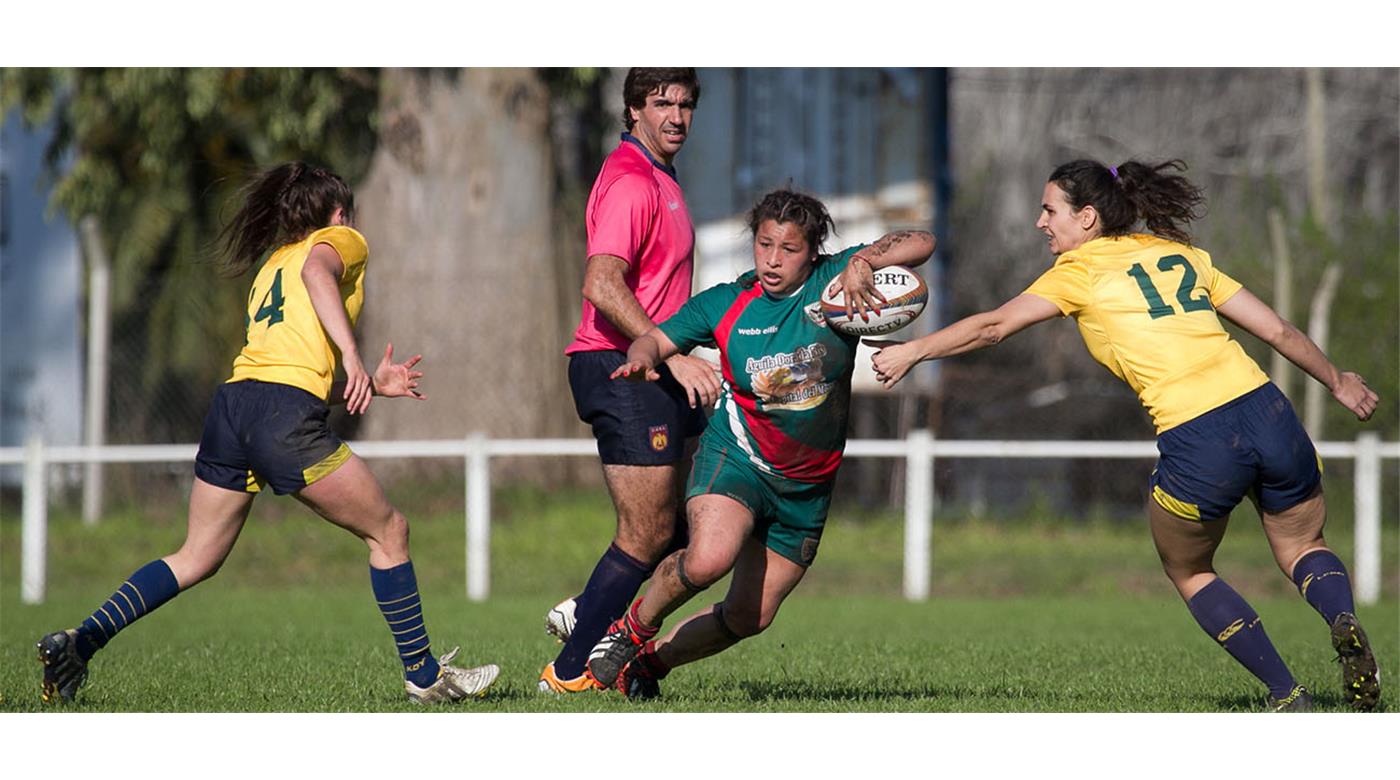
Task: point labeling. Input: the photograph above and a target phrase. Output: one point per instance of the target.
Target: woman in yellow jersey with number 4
(1147, 305)
(267, 426)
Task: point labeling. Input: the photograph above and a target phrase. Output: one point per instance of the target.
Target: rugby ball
(905, 293)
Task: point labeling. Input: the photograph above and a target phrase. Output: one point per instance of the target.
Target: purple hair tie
(1113, 169)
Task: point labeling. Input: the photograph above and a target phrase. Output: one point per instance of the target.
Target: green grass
(1027, 616)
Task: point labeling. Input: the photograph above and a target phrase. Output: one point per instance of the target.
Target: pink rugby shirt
(637, 212)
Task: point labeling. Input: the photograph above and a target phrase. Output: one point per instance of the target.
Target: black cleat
(614, 651)
(1297, 700)
(1361, 679)
(64, 669)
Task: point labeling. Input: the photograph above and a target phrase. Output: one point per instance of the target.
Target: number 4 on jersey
(271, 307)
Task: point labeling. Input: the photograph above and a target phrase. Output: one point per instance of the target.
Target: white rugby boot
(453, 683)
(560, 620)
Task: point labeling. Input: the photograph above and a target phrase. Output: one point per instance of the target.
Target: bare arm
(645, 354)
(390, 379)
(902, 247)
(321, 274)
(1255, 316)
(893, 360)
(606, 288)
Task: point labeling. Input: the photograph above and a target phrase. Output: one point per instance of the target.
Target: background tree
(154, 155)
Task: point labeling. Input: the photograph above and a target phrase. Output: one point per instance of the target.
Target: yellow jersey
(1146, 310)
(286, 343)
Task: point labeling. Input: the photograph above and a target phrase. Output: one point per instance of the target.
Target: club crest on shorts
(660, 437)
(808, 552)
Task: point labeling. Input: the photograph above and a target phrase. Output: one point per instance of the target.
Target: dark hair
(804, 211)
(641, 82)
(1133, 191)
(280, 206)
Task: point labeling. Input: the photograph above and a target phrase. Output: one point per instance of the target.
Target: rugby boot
(1361, 679)
(615, 650)
(551, 682)
(560, 620)
(64, 669)
(1297, 700)
(638, 680)
(453, 683)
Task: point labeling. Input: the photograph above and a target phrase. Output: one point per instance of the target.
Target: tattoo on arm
(888, 242)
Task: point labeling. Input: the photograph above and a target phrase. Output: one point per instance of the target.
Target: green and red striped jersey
(787, 376)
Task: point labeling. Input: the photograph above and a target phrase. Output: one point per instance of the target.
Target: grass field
(1027, 616)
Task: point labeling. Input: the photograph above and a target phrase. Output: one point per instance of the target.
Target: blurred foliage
(1361, 322)
(582, 117)
(155, 154)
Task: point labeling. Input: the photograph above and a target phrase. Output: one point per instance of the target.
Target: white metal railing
(918, 450)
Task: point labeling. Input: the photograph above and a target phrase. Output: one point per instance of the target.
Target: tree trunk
(463, 264)
(1319, 318)
(1280, 370)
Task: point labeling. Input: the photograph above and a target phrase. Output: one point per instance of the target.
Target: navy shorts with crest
(635, 423)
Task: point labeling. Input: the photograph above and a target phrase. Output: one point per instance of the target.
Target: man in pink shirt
(640, 263)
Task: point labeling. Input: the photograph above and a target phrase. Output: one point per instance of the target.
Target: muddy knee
(699, 571)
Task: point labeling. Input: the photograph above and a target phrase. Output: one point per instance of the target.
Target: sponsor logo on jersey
(790, 380)
(660, 437)
(757, 331)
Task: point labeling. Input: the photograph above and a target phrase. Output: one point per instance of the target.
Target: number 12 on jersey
(1156, 307)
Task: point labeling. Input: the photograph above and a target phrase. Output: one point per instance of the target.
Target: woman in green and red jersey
(761, 482)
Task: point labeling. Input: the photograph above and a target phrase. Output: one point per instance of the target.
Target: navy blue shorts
(260, 433)
(1251, 445)
(635, 423)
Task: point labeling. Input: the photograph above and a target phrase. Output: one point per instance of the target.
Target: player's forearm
(1305, 354)
(965, 335)
(338, 391)
(324, 290)
(613, 299)
(648, 350)
(902, 247)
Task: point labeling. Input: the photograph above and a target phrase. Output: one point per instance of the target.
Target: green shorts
(788, 515)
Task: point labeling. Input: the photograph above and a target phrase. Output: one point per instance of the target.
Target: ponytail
(1131, 192)
(280, 206)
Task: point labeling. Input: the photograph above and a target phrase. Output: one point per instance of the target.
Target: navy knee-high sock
(680, 539)
(614, 582)
(1322, 579)
(147, 588)
(1231, 622)
(396, 590)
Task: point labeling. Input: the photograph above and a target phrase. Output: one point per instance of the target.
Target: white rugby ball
(905, 293)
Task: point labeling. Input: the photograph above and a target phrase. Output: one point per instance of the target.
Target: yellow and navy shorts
(788, 515)
(260, 433)
(1253, 445)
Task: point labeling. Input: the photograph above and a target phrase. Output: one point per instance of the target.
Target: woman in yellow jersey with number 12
(1147, 305)
(267, 426)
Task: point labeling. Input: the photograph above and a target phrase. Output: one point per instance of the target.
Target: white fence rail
(919, 451)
